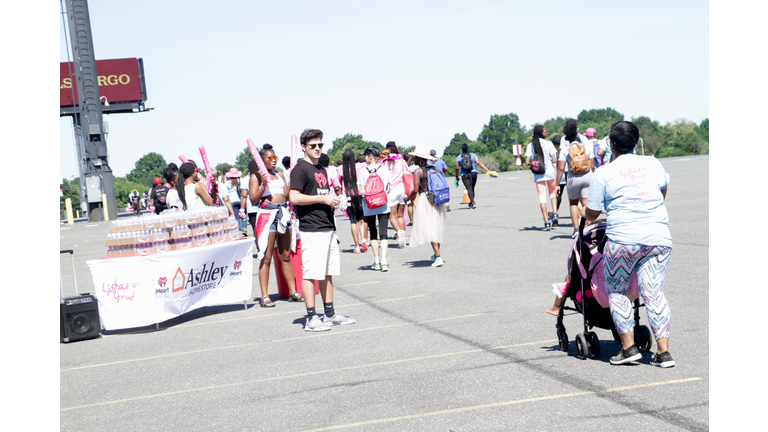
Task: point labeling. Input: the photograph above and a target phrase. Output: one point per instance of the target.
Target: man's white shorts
(319, 255)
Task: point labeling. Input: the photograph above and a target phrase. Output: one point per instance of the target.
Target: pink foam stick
(294, 150)
(183, 159)
(208, 171)
(257, 158)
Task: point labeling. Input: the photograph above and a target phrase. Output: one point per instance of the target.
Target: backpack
(437, 188)
(598, 159)
(579, 159)
(466, 162)
(375, 195)
(538, 166)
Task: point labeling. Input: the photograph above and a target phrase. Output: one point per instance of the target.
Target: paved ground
(462, 347)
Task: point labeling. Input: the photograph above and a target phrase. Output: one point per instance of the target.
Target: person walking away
(429, 219)
(441, 167)
(273, 225)
(597, 150)
(351, 191)
(544, 182)
(376, 190)
(311, 195)
(397, 167)
(632, 190)
(576, 152)
(158, 196)
(561, 185)
(467, 163)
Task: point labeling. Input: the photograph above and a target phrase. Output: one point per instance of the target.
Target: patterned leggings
(650, 265)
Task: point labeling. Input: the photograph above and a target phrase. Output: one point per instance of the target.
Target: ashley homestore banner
(140, 291)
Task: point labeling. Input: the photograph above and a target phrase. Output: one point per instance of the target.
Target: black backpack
(466, 162)
(538, 165)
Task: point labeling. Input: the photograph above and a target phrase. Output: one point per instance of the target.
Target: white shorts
(319, 255)
(396, 195)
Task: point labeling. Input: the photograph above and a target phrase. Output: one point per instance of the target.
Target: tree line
(494, 146)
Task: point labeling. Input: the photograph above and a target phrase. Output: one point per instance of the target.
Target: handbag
(408, 184)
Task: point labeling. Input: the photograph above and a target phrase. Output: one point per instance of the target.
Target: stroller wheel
(643, 338)
(562, 340)
(582, 348)
(594, 344)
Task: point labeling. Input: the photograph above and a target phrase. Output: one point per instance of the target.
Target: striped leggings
(620, 261)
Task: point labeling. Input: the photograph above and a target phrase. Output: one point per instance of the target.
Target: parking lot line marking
(264, 343)
(357, 284)
(499, 404)
(89, 226)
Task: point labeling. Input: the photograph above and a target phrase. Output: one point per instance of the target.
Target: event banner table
(141, 291)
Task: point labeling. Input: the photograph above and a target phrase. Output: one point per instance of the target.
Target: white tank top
(278, 185)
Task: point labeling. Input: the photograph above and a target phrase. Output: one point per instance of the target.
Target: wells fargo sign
(119, 81)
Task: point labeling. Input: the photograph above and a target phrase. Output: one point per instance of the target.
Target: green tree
(554, 127)
(149, 167)
(703, 129)
(454, 147)
(223, 167)
(501, 132)
(650, 132)
(600, 119)
(356, 143)
(682, 135)
(71, 190)
(242, 160)
(123, 188)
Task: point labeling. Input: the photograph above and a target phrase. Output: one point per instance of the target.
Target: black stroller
(587, 344)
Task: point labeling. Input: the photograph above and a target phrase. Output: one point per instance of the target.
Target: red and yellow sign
(118, 81)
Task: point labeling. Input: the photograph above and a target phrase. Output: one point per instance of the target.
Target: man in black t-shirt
(314, 203)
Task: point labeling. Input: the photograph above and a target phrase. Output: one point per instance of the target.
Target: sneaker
(316, 324)
(547, 226)
(663, 360)
(447, 207)
(626, 355)
(549, 215)
(555, 220)
(473, 205)
(356, 251)
(338, 319)
(364, 245)
(384, 267)
(401, 239)
(438, 262)
(394, 237)
(376, 266)
(575, 233)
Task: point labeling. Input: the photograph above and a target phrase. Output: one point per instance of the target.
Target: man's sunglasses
(312, 146)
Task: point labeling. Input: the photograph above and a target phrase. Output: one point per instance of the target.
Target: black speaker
(80, 318)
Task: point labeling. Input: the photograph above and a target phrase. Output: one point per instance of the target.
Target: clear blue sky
(412, 72)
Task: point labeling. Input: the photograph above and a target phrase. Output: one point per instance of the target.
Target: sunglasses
(312, 146)
(271, 158)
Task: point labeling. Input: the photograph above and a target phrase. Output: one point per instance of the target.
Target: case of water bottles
(171, 230)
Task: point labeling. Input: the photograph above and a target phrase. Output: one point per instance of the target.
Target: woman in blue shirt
(632, 189)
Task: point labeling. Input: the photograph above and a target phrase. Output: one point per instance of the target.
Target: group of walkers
(376, 191)
(568, 164)
(631, 189)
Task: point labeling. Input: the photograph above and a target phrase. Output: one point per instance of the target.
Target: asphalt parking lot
(462, 347)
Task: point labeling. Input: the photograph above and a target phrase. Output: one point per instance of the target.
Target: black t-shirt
(158, 194)
(312, 180)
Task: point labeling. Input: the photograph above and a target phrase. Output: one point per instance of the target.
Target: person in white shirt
(577, 184)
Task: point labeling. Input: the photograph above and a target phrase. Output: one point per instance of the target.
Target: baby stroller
(588, 247)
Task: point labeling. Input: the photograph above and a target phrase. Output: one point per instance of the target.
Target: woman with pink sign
(273, 222)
